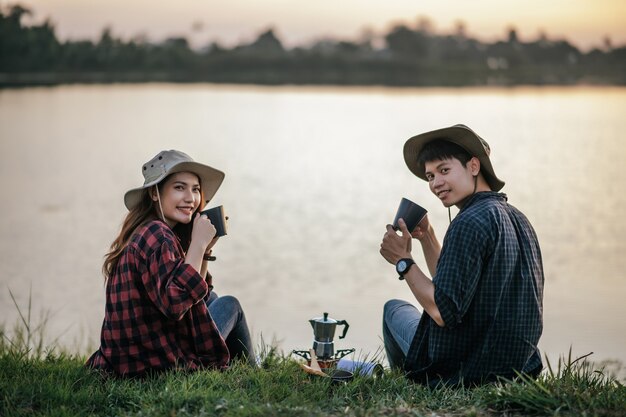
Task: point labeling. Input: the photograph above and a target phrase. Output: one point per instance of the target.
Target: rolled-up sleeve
(171, 284)
(458, 272)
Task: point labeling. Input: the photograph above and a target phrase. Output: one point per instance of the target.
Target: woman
(161, 312)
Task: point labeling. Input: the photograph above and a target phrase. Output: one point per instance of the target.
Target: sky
(585, 23)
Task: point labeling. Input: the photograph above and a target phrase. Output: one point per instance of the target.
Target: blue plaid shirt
(489, 290)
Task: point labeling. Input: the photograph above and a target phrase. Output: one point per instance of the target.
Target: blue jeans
(231, 323)
(400, 320)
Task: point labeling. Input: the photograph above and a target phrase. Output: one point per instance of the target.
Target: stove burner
(324, 362)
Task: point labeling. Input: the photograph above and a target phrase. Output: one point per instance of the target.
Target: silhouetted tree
(26, 48)
(405, 43)
(266, 44)
(403, 56)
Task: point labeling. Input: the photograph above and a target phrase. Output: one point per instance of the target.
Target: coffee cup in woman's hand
(217, 217)
(203, 230)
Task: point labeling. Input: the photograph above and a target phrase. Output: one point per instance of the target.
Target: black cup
(339, 376)
(410, 212)
(217, 217)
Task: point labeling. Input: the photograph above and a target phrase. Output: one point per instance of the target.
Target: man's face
(450, 181)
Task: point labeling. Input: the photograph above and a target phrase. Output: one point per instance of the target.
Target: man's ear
(474, 166)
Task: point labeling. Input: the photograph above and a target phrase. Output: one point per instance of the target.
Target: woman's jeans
(400, 320)
(231, 323)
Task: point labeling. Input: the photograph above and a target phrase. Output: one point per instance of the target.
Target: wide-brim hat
(170, 162)
(462, 136)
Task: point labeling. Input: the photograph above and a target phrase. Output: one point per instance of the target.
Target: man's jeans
(231, 323)
(400, 320)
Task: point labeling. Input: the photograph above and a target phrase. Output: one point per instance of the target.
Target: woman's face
(180, 197)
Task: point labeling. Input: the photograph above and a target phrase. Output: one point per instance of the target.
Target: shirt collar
(483, 195)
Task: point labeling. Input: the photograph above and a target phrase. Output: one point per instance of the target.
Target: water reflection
(313, 175)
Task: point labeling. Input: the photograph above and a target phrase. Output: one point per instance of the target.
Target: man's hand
(395, 247)
(421, 229)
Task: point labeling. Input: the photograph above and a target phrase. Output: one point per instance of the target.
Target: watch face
(401, 266)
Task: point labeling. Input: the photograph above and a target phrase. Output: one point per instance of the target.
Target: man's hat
(170, 162)
(462, 136)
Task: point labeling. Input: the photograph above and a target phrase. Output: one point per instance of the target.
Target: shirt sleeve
(459, 271)
(171, 284)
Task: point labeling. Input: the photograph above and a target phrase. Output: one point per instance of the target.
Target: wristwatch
(403, 265)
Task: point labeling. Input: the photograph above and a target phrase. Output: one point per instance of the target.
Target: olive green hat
(462, 136)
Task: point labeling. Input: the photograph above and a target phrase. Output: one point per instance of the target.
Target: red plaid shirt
(155, 316)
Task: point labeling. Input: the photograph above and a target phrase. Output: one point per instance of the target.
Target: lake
(313, 174)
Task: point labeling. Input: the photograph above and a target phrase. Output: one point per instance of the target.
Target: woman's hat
(170, 162)
(462, 136)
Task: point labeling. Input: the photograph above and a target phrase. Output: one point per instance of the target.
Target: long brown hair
(145, 211)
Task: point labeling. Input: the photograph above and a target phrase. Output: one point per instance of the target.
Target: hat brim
(462, 136)
(210, 181)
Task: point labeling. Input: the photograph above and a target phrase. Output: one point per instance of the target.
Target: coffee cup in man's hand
(411, 213)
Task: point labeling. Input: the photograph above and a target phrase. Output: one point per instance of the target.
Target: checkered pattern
(155, 315)
(489, 290)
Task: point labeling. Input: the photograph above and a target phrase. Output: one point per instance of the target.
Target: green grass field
(39, 380)
(59, 385)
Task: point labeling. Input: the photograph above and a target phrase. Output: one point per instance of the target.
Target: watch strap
(409, 262)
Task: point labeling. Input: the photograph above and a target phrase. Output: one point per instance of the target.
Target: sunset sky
(585, 23)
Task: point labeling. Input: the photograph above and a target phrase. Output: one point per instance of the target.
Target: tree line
(410, 56)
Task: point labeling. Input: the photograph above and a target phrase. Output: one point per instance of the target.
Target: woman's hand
(209, 249)
(211, 244)
(203, 233)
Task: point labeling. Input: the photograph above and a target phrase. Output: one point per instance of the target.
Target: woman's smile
(186, 209)
(180, 198)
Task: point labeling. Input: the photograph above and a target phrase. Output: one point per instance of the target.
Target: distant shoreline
(32, 55)
(35, 79)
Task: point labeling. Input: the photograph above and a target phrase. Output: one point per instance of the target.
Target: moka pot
(324, 332)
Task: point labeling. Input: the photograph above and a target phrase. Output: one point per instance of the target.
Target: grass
(37, 380)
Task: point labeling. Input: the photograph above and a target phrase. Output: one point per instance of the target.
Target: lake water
(312, 177)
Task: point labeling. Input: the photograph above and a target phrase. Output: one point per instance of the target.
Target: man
(482, 311)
